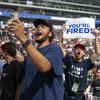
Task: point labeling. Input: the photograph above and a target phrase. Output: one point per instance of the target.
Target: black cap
(41, 21)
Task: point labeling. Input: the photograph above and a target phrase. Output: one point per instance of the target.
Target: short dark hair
(9, 48)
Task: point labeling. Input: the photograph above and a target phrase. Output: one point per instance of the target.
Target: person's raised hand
(95, 32)
(64, 27)
(17, 27)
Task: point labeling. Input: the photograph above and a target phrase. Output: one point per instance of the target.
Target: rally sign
(79, 28)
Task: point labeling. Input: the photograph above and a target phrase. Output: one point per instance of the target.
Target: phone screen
(15, 15)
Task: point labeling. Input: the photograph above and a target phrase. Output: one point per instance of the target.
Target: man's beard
(43, 39)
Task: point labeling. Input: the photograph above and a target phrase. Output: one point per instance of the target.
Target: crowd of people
(37, 72)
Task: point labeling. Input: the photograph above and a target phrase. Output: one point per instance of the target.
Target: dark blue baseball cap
(44, 22)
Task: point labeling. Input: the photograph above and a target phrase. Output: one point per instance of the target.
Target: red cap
(81, 46)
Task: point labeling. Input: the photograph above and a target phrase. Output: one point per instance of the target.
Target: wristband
(26, 43)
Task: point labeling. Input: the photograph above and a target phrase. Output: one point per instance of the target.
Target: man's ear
(50, 34)
(84, 53)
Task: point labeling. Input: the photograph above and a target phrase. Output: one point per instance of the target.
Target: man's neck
(41, 45)
(79, 60)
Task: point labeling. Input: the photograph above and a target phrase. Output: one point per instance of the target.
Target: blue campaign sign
(79, 28)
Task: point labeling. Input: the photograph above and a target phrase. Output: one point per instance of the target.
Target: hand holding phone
(14, 16)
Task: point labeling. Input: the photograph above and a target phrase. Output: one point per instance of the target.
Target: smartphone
(14, 15)
(11, 35)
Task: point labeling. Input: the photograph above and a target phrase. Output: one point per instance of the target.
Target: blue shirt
(44, 86)
(76, 72)
(1, 64)
(1, 67)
